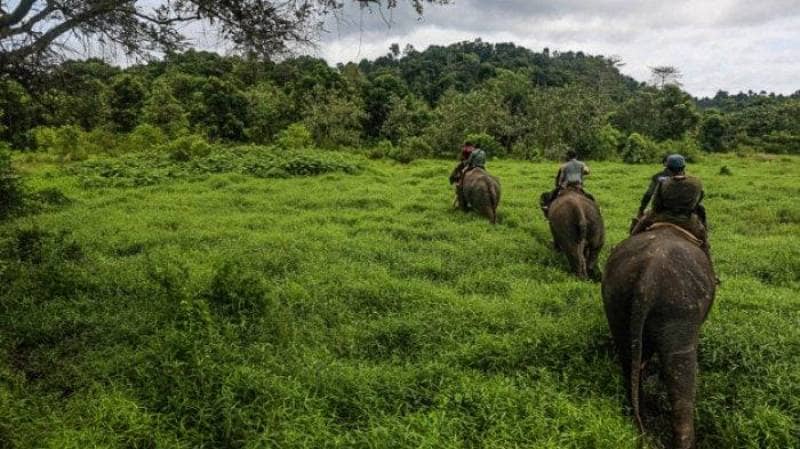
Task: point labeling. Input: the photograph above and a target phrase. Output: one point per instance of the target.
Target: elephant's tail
(582, 241)
(639, 309)
(494, 199)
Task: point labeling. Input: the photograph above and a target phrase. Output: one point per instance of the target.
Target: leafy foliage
(191, 157)
(639, 150)
(531, 103)
(10, 187)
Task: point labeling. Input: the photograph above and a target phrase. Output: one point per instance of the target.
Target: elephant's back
(658, 260)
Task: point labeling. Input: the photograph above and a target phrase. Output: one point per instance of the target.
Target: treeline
(406, 104)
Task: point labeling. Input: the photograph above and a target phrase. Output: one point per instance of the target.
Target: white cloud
(722, 44)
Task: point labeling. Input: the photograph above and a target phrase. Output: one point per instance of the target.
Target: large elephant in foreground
(480, 191)
(658, 287)
(578, 230)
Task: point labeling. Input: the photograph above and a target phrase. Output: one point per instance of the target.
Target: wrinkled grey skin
(578, 231)
(481, 191)
(657, 291)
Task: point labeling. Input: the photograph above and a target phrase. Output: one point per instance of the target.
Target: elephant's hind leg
(679, 367)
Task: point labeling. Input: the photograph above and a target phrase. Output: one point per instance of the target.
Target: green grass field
(227, 310)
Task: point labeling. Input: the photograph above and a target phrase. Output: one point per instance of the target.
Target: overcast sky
(718, 44)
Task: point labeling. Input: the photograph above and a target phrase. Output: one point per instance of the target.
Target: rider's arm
(648, 195)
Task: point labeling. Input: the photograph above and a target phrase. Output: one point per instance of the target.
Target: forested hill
(407, 104)
(465, 65)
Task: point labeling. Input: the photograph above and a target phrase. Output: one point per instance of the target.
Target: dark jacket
(651, 189)
(678, 196)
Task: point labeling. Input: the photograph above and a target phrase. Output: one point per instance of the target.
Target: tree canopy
(33, 31)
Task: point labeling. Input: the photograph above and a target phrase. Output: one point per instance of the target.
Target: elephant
(578, 230)
(479, 191)
(658, 287)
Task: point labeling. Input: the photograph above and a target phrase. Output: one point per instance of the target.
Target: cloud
(722, 44)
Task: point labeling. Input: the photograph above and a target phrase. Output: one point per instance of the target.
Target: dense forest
(407, 104)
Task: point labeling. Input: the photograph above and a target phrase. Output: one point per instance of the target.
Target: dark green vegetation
(409, 104)
(228, 308)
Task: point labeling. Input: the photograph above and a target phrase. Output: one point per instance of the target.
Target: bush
(187, 148)
(417, 146)
(487, 143)
(145, 137)
(639, 150)
(295, 136)
(100, 141)
(64, 142)
(687, 147)
(526, 148)
(555, 152)
(714, 133)
(380, 150)
(312, 164)
(402, 155)
(607, 143)
(10, 188)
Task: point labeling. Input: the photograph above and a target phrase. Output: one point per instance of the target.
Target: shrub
(295, 136)
(145, 137)
(100, 141)
(487, 143)
(687, 147)
(402, 155)
(380, 150)
(714, 133)
(607, 143)
(64, 142)
(555, 152)
(417, 146)
(639, 150)
(526, 148)
(187, 148)
(10, 188)
(311, 164)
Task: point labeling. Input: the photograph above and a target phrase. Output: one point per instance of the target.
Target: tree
(663, 114)
(125, 102)
(37, 29)
(16, 112)
(335, 120)
(714, 132)
(10, 187)
(221, 110)
(162, 110)
(378, 98)
(408, 118)
(665, 74)
(267, 112)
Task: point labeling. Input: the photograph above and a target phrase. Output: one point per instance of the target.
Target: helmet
(676, 162)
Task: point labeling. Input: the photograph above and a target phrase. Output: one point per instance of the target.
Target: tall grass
(355, 308)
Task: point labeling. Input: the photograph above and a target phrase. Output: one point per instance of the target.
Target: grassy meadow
(157, 306)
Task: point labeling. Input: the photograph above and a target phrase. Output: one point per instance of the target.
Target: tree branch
(17, 15)
(44, 41)
(27, 27)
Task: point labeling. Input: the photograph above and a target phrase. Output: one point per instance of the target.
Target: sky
(732, 45)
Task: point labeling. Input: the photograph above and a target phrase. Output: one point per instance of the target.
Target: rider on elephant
(651, 189)
(677, 199)
(475, 158)
(570, 175)
(463, 161)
